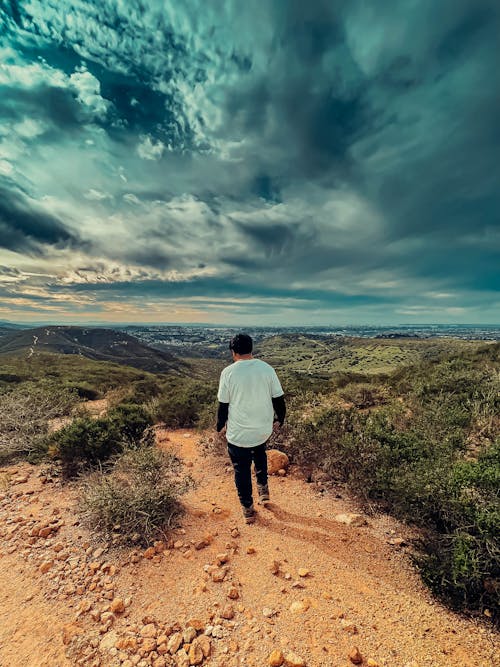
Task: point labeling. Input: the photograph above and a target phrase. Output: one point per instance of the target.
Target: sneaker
(263, 493)
(249, 514)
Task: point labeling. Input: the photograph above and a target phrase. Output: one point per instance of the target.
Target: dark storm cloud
(217, 288)
(346, 148)
(54, 105)
(25, 227)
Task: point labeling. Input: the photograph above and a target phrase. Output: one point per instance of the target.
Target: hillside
(322, 356)
(97, 344)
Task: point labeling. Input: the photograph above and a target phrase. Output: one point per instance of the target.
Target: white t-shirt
(249, 385)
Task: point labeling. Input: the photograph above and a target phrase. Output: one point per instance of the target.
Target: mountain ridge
(99, 344)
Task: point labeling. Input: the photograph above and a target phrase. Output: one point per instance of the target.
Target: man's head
(241, 345)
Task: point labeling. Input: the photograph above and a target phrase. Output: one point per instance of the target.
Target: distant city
(215, 338)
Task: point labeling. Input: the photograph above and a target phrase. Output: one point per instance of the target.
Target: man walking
(249, 394)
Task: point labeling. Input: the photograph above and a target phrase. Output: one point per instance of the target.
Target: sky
(274, 162)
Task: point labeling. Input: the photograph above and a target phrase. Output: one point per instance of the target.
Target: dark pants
(241, 458)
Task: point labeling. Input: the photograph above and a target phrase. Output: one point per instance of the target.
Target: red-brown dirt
(359, 591)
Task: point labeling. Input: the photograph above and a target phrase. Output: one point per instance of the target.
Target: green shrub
(144, 390)
(84, 442)
(88, 441)
(182, 404)
(412, 456)
(462, 563)
(84, 390)
(131, 420)
(138, 499)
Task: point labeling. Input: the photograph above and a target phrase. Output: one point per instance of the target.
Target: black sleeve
(280, 408)
(222, 413)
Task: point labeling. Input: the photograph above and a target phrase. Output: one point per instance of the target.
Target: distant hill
(321, 356)
(9, 327)
(97, 344)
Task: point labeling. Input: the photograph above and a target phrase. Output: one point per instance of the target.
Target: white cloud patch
(97, 195)
(88, 90)
(149, 149)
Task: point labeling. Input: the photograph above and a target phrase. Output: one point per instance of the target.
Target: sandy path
(360, 591)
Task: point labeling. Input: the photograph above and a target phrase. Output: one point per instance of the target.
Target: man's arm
(280, 408)
(222, 414)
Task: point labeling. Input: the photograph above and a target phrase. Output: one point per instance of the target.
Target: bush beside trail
(25, 415)
(87, 442)
(428, 451)
(136, 500)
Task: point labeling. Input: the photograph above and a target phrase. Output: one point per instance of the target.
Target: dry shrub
(137, 500)
(25, 414)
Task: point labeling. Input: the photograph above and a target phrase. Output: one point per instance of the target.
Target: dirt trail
(360, 590)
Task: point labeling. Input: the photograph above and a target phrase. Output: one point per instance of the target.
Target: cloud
(345, 152)
(148, 149)
(26, 227)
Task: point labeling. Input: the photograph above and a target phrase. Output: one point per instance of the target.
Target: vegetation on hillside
(425, 445)
(25, 415)
(90, 379)
(87, 442)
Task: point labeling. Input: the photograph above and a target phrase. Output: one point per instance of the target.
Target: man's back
(249, 385)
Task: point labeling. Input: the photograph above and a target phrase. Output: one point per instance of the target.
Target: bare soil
(359, 591)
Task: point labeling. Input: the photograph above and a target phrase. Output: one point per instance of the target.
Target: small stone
(299, 606)
(268, 612)
(227, 612)
(201, 544)
(276, 658)
(276, 460)
(303, 572)
(220, 559)
(235, 532)
(181, 659)
(281, 472)
(160, 546)
(275, 567)
(188, 635)
(396, 542)
(351, 519)
(149, 630)
(204, 643)
(371, 663)
(196, 624)
(251, 550)
(149, 553)
(233, 593)
(108, 641)
(148, 644)
(107, 618)
(294, 660)
(117, 606)
(349, 627)
(174, 642)
(218, 575)
(46, 565)
(195, 654)
(355, 656)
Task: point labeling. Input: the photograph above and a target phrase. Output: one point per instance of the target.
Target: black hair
(241, 344)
